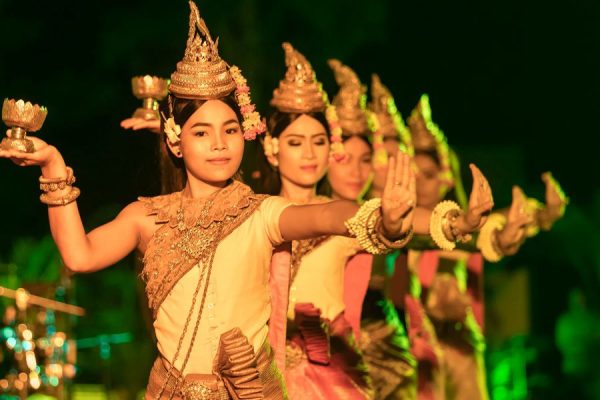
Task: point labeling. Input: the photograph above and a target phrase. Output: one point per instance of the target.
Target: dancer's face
(430, 187)
(348, 177)
(303, 152)
(212, 144)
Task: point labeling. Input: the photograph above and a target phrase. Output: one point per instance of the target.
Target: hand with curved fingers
(481, 203)
(556, 202)
(399, 196)
(136, 124)
(518, 218)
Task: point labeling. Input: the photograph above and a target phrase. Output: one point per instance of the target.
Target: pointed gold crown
(350, 101)
(202, 74)
(427, 136)
(389, 119)
(299, 91)
(381, 100)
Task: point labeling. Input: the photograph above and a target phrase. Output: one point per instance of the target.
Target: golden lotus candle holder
(151, 90)
(21, 117)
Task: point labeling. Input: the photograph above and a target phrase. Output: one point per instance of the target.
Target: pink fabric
(475, 287)
(428, 264)
(399, 283)
(308, 381)
(279, 284)
(315, 334)
(356, 283)
(422, 344)
(341, 377)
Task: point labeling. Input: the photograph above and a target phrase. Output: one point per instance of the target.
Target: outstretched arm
(81, 252)
(301, 222)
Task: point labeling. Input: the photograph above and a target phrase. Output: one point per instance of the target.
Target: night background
(514, 85)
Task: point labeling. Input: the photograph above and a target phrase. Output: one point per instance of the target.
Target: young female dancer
(207, 246)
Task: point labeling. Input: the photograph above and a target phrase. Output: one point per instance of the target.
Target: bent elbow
(77, 266)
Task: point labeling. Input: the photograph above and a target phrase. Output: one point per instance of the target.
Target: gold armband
(487, 242)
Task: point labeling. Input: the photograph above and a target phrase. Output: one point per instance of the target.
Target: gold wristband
(487, 242)
(363, 224)
(397, 244)
(54, 184)
(439, 224)
(61, 201)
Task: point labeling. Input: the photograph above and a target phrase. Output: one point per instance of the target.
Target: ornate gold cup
(21, 117)
(151, 90)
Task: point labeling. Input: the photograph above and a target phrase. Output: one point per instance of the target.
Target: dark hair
(278, 121)
(457, 191)
(324, 187)
(173, 176)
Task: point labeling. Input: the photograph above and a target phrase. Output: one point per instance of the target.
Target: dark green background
(515, 85)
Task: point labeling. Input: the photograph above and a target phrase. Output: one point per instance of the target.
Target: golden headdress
(299, 91)
(427, 136)
(389, 119)
(350, 101)
(202, 74)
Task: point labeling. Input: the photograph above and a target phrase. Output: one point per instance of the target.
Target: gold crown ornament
(427, 136)
(21, 117)
(390, 122)
(202, 74)
(300, 92)
(350, 101)
(151, 90)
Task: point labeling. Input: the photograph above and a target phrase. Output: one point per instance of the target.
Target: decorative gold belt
(235, 374)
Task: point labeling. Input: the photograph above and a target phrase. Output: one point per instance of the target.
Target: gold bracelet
(439, 226)
(374, 245)
(61, 201)
(54, 184)
(362, 225)
(397, 244)
(487, 242)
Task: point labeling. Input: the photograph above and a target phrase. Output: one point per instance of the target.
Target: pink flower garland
(252, 124)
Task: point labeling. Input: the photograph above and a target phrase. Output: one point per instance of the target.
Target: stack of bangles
(442, 225)
(51, 185)
(366, 227)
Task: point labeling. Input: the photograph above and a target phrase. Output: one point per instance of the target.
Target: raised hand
(556, 202)
(43, 155)
(137, 124)
(519, 216)
(481, 203)
(399, 196)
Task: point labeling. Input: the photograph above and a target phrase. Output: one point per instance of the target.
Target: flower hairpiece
(380, 157)
(336, 151)
(252, 124)
(172, 130)
(403, 132)
(270, 145)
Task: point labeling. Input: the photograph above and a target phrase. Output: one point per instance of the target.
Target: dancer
(207, 246)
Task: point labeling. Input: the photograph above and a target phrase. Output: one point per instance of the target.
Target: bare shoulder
(137, 213)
